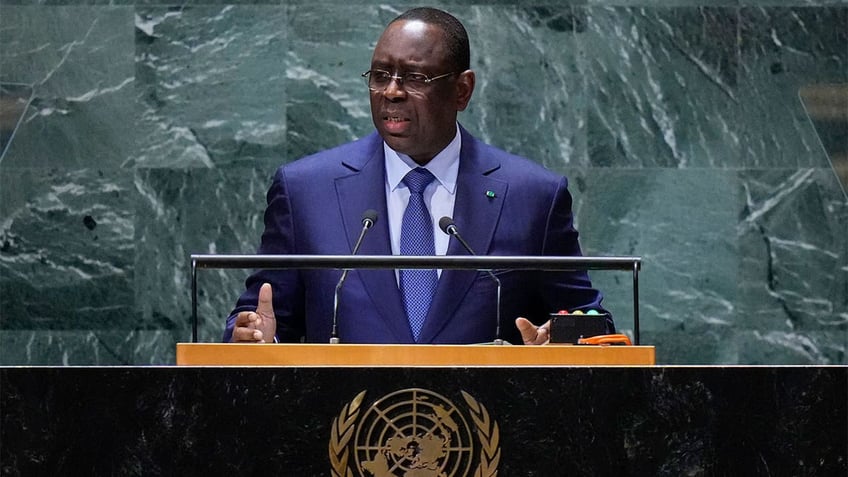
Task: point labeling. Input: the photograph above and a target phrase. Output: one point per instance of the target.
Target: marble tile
(793, 277)
(663, 3)
(765, 260)
(530, 98)
(103, 347)
(71, 3)
(210, 85)
(201, 3)
(781, 51)
(661, 87)
(716, 3)
(66, 261)
(195, 211)
(792, 3)
(330, 47)
(78, 63)
(687, 286)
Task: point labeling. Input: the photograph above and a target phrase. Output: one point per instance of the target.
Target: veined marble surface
(154, 129)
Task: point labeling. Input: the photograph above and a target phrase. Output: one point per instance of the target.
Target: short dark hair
(455, 34)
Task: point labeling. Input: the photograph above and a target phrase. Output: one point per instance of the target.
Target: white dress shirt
(439, 195)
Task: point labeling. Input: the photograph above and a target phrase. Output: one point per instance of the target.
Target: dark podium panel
(552, 421)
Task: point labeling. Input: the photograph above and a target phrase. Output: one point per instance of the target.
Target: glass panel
(14, 100)
(827, 107)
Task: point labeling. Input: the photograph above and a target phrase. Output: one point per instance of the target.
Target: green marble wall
(153, 130)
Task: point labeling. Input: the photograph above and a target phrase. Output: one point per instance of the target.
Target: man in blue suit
(420, 78)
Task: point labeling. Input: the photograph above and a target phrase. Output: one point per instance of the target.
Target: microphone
(369, 217)
(449, 227)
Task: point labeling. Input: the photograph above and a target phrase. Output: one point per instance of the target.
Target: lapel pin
(490, 194)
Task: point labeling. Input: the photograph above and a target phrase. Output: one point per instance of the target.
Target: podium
(231, 354)
(508, 420)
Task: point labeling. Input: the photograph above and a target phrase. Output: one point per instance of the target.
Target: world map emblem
(414, 433)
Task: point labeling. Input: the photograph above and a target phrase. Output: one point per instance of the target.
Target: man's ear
(464, 89)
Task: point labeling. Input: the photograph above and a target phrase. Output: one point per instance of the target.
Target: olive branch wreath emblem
(340, 434)
(344, 425)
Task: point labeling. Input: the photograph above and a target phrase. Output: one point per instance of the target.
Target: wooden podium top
(306, 355)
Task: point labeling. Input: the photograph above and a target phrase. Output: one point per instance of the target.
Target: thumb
(527, 329)
(265, 306)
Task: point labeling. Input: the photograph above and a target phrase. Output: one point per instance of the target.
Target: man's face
(418, 124)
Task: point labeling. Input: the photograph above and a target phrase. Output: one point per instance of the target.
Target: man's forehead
(413, 40)
(413, 27)
(412, 30)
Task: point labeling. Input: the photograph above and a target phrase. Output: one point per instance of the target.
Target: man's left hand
(532, 334)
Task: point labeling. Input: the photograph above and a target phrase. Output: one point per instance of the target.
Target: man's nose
(394, 90)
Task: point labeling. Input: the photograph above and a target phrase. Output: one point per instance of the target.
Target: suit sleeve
(567, 290)
(287, 288)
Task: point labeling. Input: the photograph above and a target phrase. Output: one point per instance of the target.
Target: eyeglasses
(378, 80)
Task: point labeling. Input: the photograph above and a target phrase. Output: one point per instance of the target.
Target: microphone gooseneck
(369, 218)
(449, 227)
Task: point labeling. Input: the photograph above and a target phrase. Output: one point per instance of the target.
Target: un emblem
(414, 433)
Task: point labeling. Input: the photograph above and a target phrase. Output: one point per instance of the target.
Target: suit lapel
(357, 192)
(477, 209)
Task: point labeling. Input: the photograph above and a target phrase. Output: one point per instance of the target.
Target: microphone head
(445, 223)
(369, 217)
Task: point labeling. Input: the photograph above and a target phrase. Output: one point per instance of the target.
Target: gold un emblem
(414, 433)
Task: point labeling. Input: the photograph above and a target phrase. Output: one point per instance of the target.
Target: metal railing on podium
(444, 262)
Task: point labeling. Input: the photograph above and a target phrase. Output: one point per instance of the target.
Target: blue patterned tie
(416, 238)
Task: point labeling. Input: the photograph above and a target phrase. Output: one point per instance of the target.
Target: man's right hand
(257, 326)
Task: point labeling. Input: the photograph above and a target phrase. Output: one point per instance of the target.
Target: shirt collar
(445, 166)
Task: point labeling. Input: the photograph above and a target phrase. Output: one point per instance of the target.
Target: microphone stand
(368, 219)
(448, 227)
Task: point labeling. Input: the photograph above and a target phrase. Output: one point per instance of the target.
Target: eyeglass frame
(401, 79)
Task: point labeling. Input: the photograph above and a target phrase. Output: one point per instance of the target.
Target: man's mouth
(395, 124)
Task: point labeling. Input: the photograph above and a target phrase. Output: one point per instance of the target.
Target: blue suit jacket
(315, 206)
